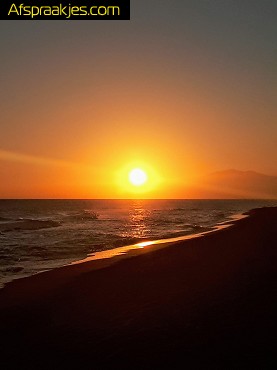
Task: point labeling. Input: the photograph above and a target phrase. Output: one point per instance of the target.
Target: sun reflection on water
(138, 216)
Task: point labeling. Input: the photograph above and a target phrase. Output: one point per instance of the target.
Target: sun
(137, 177)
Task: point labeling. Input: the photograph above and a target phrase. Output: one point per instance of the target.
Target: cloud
(37, 160)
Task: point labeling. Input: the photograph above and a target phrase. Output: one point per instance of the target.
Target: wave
(14, 269)
(193, 230)
(27, 224)
(4, 219)
(83, 216)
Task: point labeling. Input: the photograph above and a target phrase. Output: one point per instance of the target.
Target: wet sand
(208, 303)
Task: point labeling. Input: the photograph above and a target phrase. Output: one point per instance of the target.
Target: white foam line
(109, 253)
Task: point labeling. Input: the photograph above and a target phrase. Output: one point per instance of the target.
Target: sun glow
(137, 177)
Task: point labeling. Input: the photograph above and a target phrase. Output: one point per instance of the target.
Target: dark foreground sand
(207, 303)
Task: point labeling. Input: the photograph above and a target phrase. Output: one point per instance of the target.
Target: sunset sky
(185, 88)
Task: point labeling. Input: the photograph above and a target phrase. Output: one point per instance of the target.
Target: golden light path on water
(160, 243)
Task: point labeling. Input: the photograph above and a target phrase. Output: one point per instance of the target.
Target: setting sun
(137, 177)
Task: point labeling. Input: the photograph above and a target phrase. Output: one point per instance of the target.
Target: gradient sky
(185, 88)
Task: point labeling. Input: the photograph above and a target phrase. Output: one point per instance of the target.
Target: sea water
(37, 235)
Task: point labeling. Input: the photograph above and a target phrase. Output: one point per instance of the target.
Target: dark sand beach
(208, 303)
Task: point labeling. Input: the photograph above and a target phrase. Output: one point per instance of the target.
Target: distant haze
(233, 184)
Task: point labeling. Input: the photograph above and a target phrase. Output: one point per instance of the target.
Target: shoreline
(205, 300)
(109, 256)
(155, 244)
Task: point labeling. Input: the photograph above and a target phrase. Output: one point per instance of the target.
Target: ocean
(38, 235)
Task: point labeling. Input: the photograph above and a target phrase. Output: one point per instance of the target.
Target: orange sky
(83, 101)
